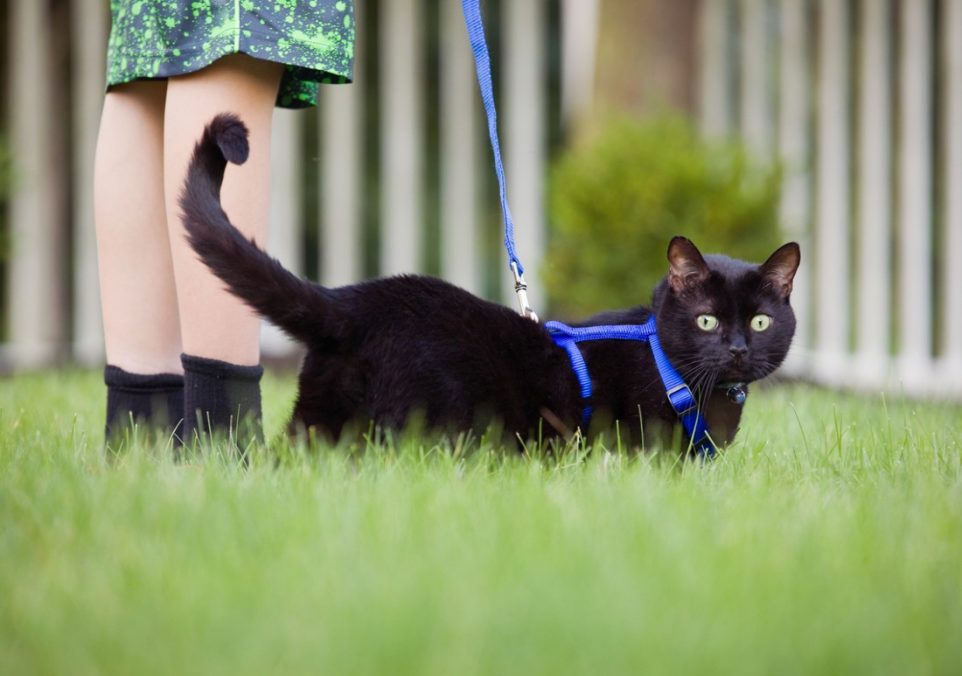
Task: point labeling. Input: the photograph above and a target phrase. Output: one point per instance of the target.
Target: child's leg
(215, 324)
(220, 334)
(141, 327)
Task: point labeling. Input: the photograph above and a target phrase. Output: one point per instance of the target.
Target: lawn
(827, 540)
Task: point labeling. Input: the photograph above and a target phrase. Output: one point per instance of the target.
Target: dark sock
(222, 399)
(155, 402)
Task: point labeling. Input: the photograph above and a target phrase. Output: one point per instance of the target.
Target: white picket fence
(862, 103)
(860, 100)
(41, 329)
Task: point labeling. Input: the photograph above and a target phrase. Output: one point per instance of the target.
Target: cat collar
(679, 395)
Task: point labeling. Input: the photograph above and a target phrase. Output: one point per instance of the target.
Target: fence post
(89, 38)
(793, 137)
(874, 190)
(401, 135)
(832, 190)
(755, 122)
(579, 41)
(713, 68)
(459, 153)
(951, 25)
(915, 194)
(341, 179)
(284, 219)
(524, 133)
(37, 316)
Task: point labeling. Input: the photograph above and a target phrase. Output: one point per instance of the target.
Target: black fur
(389, 349)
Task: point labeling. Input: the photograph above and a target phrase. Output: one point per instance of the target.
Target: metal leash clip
(521, 289)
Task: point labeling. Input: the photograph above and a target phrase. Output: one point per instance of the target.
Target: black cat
(387, 349)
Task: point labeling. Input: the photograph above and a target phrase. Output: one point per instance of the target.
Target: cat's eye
(760, 323)
(707, 322)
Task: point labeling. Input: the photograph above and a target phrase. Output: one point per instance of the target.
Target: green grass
(828, 540)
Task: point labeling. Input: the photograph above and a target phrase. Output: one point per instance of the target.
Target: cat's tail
(298, 307)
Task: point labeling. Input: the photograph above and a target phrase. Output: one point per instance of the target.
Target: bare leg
(141, 327)
(214, 324)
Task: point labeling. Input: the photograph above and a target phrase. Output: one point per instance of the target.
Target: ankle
(222, 400)
(152, 402)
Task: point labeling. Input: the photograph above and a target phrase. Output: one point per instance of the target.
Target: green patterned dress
(314, 39)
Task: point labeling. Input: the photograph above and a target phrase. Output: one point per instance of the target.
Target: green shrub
(617, 201)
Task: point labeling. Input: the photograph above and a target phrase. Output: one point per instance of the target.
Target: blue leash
(482, 63)
(680, 396)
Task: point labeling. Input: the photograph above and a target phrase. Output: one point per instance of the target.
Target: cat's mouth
(739, 367)
(740, 370)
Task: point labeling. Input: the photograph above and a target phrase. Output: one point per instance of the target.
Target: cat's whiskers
(695, 365)
(702, 375)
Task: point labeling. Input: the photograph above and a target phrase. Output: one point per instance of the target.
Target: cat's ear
(780, 268)
(686, 266)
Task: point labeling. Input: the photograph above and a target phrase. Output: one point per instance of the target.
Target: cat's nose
(738, 351)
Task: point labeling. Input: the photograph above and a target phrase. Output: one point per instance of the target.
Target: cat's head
(722, 320)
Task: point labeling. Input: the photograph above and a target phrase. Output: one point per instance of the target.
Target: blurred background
(739, 123)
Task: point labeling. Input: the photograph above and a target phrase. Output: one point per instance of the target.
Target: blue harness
(680, 396)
